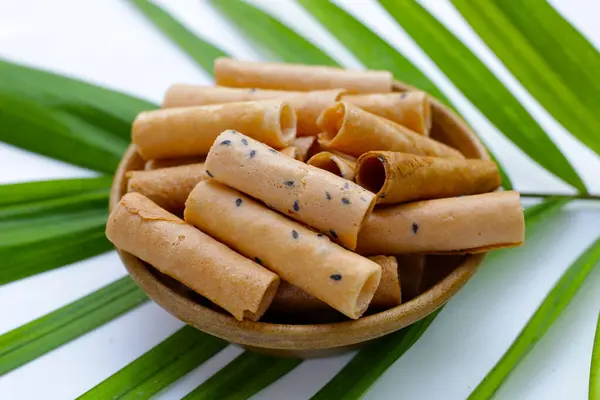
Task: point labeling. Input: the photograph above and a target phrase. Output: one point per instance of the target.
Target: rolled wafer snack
(190, 131)
(400, 177)
(469, 224)
(352, 130)
(411, 268)
(240, 286)
(334, 163)
(306, 147)
(167, 187)
(172, 162)
(290, 298)
(289, 151)
(251, 74)
(307, 259)
(308, 194)
(409, 109)
(308, 105)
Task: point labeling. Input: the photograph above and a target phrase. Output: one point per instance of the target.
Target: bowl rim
(264, 335)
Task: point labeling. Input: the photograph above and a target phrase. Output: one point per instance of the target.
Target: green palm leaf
(164, 364)
(594, 391)
(44, 334)
(201, 51)
(482, 88)
(548, 56)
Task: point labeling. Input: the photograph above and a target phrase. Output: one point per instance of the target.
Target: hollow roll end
(367, 291)
(371, 173)
(331, 122)
(288, 122)
(265, 303)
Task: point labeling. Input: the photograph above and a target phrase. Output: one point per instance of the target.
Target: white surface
(108, 43)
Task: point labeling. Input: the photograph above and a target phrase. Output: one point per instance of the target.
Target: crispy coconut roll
(252, 74)
(308, 105)
(352, 130)
(409, 109)
(190, 131)
(469, 224)
(334, 162)
(172, 162)
(167, 187)
(400, 177)
(307, 259)
(240, 286)
(316, 197)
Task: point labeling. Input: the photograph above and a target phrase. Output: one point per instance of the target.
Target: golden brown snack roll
(167, 187)
(409, 109)
(172, 162)
(354, 131)
(240, 286)
(280, 76)
(301, 256)
(400, 177)
(334, 163)
(190, 131)
(468, 224)
(318, 198)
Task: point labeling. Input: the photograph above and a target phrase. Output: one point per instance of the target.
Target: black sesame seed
(238, 202)
(380, 158)
(333, 233)
(345, 200)
(252, 153)
(363, 199)
(295, 234)
(258, 260)
(403, 95)
(346, 185)
(273, 151)
(296, 206)
(244, 142)
(336, 277)
(382, 195)
(225, 143)
(209, 174)
(320, 235)
(233, 132)
(328, 195)
(289, 183)
(415, 228)
(252, 90)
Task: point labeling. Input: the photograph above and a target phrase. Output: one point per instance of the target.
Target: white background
(107, 42)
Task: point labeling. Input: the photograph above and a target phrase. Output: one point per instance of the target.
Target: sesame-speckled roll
(306, 147)
(352, 130)
(299, 255)
(400, 177)
(252, 74)
(240, 286)
(167, 187)
(410, 270)
(469, 224)
(292, 299)
(172, 162)
(335, 163)
(308, 105)
(409, 109)
(316, 197)
(190, 131)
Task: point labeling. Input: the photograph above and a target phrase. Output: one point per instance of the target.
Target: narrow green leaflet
(550, 309)
(110, 109)
(28, 125)
(245, 376)
(267, 33)
(482, 87)
(20, 193)
(201, 51)
(164, 364)
(559, 81)
(44, 334)
(594, 391)
(375, 53)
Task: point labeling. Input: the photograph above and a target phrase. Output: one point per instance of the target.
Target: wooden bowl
(311, 340)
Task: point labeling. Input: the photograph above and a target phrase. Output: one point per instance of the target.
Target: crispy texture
(352, 130)
(409, 109)
(469, 224)
(341, 278)
(292, 299)
(172, 162)
(251, 74)
(240, 286)
(305, 147)
(411, 268)
(167, 187)
(334, 163)
(400, 177)
(308, 105)
(308, 194)
(190, 131)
